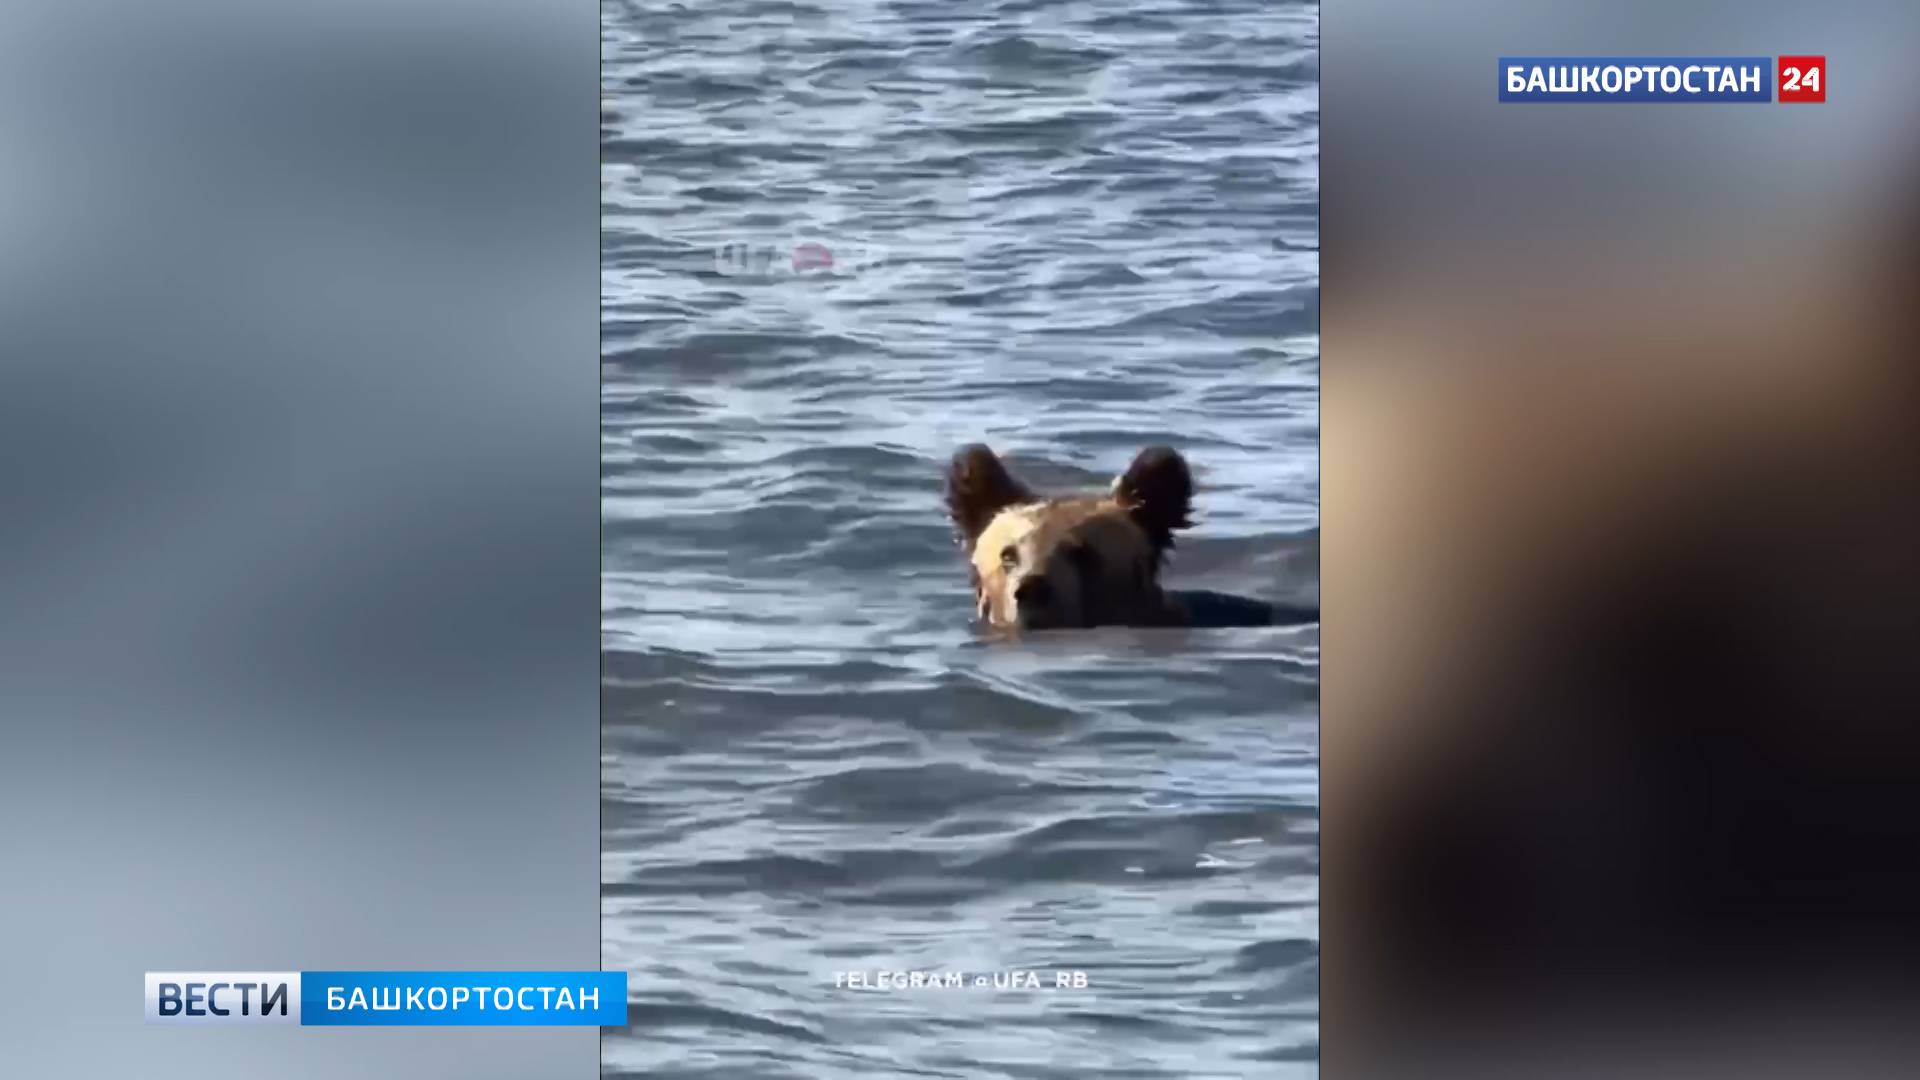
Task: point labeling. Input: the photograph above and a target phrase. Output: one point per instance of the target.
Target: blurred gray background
(298, 518)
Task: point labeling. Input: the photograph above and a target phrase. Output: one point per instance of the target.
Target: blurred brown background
(1621, 550)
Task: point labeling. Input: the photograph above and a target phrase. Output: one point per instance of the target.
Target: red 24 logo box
(1802, 78)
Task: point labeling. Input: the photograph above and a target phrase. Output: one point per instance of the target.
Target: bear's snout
(1033, 591)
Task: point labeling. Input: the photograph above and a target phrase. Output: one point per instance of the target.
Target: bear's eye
(1009, 557)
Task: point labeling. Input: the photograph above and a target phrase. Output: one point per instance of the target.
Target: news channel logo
(388, 998)
(1795, 78)
(223, 997)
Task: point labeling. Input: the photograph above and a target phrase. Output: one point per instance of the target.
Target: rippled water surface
(840, 240)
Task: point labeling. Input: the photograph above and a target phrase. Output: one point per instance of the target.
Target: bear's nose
(1033, 592)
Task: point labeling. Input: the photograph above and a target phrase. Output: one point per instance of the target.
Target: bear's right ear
(978, 487)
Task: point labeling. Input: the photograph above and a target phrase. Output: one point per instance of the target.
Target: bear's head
(1079, 561)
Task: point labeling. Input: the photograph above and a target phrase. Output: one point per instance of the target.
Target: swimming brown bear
(1091, 560)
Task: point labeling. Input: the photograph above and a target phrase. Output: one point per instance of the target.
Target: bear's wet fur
(1084, 561)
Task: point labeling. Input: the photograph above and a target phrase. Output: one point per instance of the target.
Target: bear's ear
(1157, 490)
(978, 487)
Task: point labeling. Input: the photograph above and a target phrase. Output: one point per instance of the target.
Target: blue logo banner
(463, 998)
(1636, 78)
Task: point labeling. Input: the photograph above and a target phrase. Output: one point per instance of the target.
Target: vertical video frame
(960, 529)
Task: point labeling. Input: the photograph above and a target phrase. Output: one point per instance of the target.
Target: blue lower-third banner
(492, 998)
(389, 998)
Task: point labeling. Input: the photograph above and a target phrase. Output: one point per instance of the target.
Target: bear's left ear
(1157, 490)
(978, 487)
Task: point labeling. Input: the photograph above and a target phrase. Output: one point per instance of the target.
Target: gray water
(1065, 229)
